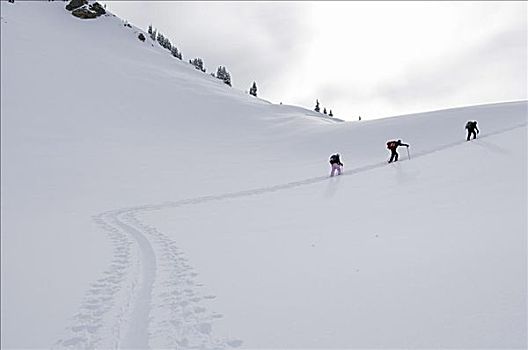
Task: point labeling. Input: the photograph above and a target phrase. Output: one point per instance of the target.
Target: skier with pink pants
(336, 164)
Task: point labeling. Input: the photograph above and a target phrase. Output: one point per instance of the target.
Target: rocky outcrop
(81, 9)
(75, 4)
(84, 13)
(98, 9)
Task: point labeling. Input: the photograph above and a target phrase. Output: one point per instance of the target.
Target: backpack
(333, 159)
(471, 125)
(392, 144)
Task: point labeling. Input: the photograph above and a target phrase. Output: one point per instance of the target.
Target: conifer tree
(253, 90)
(160, 38)
(317, 108)
(198, 64)
(324, 110)
(330, 114)
(174, 51)
(223, 74)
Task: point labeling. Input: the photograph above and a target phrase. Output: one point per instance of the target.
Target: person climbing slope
(336, 164)
(471, 127)
(392, 146)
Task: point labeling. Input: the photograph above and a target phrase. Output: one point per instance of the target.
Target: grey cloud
(255, 41)
(267, 42)
(502, 58)
(244, 36)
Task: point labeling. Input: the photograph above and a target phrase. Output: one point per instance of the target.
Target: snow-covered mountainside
(146, 204)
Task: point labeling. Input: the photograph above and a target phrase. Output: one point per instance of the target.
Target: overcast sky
(374, 59)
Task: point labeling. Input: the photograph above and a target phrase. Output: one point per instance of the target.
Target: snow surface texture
(146, 204)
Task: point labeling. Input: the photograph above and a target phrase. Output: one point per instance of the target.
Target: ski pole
(408, 154)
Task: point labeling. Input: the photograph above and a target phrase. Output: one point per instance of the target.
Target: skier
(392, 146)
(471, 127)
(335, 161)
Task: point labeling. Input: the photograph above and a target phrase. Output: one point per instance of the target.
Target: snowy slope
(145, 204)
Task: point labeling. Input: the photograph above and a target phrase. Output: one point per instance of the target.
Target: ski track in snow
(149, 296)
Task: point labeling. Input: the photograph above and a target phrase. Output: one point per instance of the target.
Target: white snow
(146, 204)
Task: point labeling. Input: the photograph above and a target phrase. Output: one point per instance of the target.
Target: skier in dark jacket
(335, 161)
(392, 146)
(471, 127)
